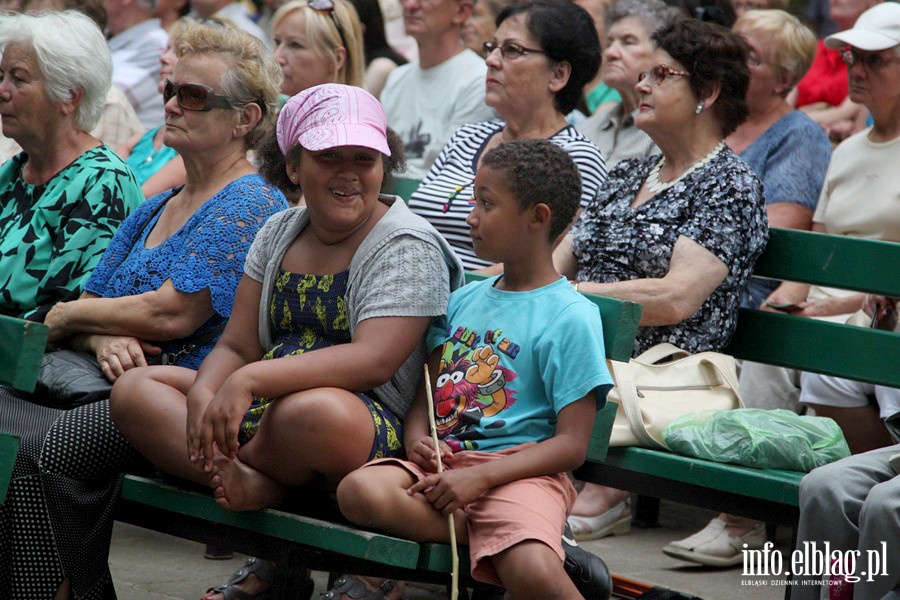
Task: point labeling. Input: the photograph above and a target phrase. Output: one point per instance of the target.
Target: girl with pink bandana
(322, 355)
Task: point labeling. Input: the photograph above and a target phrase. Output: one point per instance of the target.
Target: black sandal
(264, 571)
(356, 589)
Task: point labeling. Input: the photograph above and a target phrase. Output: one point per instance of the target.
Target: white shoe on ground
(615, 521)
(714, 545)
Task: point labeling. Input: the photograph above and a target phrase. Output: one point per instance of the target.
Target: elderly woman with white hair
(165, 284)
(626, 54)
(62, 198)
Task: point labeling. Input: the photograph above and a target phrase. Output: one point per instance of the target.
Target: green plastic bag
(765, 439)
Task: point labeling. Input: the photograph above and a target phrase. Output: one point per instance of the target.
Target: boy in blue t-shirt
(518, 371)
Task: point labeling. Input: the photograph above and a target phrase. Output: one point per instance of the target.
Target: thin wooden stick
(454, 578)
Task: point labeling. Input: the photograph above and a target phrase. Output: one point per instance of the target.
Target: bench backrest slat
(22, 346)
(832, 260)
(817, 346)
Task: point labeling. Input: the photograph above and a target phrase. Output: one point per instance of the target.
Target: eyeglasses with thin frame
(328, 6)
(873, 61)
(660, 73)
(508, 50)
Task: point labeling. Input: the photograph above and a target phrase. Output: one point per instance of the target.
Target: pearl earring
(699, 108)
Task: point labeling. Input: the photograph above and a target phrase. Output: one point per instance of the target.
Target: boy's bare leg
(531, 569)
(376, 497)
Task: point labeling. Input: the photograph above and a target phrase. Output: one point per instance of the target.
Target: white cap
(876, 29)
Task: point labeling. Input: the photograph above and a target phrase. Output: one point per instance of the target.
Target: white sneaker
(714, 545)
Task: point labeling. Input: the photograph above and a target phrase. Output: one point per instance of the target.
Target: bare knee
(363, 498)
(125, 393)
(531, 569)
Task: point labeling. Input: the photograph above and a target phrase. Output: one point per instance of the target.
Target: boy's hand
(451, 490)
(421, 452)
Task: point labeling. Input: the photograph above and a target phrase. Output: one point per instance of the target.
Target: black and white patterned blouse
(720, 206)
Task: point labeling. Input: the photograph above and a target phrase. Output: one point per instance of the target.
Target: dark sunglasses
(200, 98)
(508, 50)
(660, 73)
(328, 6)
(196, 97)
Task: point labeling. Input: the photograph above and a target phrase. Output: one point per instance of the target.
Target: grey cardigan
(403, 268)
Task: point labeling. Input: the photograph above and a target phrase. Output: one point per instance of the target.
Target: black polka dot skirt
(57, 519)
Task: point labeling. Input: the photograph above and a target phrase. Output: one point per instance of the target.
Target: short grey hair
(72, 55)
(653, 14)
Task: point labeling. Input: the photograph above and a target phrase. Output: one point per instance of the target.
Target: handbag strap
(660, 351)
(627, 388)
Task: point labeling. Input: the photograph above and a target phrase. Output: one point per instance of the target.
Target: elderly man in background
(136, 41)
(426, 101)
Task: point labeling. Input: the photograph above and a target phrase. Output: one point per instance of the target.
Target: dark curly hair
(273, 164)
(540, 171)
(565, 32)
(714, 56)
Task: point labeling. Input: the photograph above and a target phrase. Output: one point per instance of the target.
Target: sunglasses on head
(200, 98)
(328, 6)
(660, 73)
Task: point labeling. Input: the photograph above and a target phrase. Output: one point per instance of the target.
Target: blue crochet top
(207, 252)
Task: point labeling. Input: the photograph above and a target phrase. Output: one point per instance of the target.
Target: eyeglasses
(660, 73)
(328, 6)
(872, 61)
(195, 97)
(508, 50)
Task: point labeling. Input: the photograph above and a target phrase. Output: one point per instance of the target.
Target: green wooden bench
(405, 187)
(316, 537)
(784, 340)
(22, 346)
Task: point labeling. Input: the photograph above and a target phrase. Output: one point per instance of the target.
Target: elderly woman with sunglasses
(166, 283)
(543, 54)
(158, 167)
(679, 233)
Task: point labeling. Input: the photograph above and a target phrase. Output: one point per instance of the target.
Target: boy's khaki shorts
(528, 509)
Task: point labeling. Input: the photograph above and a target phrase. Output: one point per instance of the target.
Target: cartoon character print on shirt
(470, 387)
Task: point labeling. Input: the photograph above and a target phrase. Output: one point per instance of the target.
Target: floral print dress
(719, 206)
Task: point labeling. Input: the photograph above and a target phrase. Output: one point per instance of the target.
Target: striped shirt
(443, 198)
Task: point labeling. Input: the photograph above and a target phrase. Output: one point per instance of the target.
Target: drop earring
(699, 109)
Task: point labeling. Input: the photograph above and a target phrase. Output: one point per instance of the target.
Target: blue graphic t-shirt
(510, 361)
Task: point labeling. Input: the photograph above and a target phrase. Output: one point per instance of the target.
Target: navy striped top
(443, 198)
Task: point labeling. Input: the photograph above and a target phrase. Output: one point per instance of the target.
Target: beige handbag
(651, 393)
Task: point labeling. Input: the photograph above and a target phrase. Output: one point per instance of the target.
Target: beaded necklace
(655, 186)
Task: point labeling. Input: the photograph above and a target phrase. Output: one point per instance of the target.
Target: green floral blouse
(52, 235)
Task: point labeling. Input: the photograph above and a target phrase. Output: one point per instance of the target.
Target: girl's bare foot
(238, 486)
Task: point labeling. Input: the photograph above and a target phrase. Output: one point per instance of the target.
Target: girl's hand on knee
(421, 452)
(451, 490)
(223, 416)
(197, 402)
